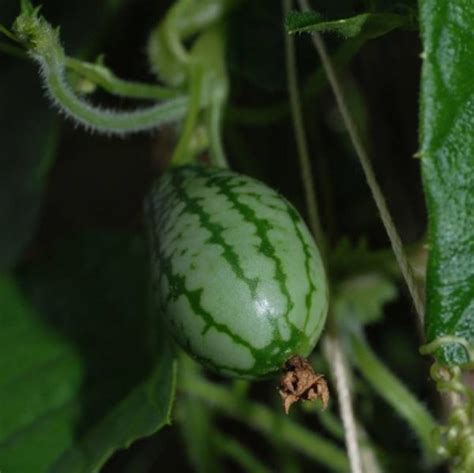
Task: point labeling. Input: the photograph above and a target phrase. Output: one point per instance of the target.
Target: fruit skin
(236, 272)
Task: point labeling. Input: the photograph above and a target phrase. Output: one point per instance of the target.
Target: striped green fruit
(237, 274)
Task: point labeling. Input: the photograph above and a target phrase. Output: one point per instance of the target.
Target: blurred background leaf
(361, 299)
(85, 369)
(29, 136)
(198, 427)
(29, 128)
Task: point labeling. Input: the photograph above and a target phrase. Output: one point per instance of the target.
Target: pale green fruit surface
(237, 274)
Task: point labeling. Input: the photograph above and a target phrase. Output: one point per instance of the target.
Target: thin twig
(300, 136)
(340, 375)
(369, 459)
(377, 194)
(335, 356)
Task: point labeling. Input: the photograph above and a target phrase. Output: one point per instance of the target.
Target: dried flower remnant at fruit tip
(300, 382)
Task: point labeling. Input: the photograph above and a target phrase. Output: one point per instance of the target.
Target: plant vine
(454, 439)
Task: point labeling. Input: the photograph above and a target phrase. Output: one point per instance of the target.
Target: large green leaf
(364, 26)
(85, 367)
(447, 140)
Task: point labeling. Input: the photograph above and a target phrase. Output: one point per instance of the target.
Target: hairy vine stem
(394, 237)
(44, 47)
(101, 76)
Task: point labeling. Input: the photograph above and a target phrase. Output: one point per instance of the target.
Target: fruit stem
(182, 153)
(216, 109)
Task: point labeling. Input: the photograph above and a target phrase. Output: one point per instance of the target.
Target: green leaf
(366, 25)
(28, 135)
(295, 20)
(362, 298)
(85, 368)
(447, 142)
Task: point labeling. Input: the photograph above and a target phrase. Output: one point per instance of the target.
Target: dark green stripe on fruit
(295, 218)
(262, 226)
(262, 362)
(192, 206)
(178, 288)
